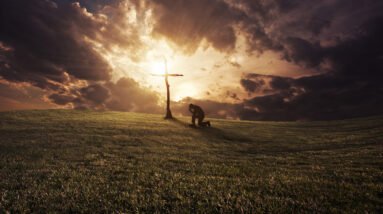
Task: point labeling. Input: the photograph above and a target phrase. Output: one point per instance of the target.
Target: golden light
(156, 67)
(184, 90)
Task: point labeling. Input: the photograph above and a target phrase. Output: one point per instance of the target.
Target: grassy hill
(85, 161)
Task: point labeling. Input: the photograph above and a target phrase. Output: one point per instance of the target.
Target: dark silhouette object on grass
(199, 115)
(166, 75)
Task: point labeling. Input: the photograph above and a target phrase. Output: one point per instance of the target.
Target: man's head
(191, 105)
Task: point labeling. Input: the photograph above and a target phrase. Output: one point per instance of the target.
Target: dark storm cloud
(361, 55)
(264, 84)
(358, 55)
(95, 93)
(324, 97)
(187, 23)
(92, 5)
(351, 87)
(49, 41)
(49, 44)
(252, 85)
(46, 43)
(62, 99)
(128, 95)
(320, 97)
(317, 33)
(280, 83)
(350, 58)
(303, 52)
(124, 95)
(295, 29)
(21, 96)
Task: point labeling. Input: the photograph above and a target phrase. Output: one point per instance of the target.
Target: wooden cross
(166, 75)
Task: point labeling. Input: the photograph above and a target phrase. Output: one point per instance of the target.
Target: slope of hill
(84, 161)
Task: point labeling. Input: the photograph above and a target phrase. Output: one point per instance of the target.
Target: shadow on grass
(215, 134)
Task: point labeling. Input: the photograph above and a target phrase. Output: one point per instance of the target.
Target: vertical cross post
(168, 114)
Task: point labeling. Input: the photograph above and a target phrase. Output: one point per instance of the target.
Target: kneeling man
(198, 114)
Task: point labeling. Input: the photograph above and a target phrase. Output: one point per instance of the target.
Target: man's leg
(207, 123)
(200, 119)
(193, 120)
(203, 124)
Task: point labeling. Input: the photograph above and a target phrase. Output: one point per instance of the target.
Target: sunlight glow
(157, 67)
(208, 73)
(184, 90)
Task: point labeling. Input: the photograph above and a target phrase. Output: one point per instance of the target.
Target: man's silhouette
(198, 114)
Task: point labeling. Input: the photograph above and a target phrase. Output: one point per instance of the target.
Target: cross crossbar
(169, 75)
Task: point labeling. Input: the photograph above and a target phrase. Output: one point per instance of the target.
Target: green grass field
(85, 161)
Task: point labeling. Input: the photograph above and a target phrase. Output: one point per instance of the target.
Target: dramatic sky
(241, 59)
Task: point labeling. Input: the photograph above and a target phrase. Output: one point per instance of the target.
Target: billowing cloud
(350, 87)
(51, 45)
(65, 50)
(46, 43)
(124, 95)
(253, 85)
(321, 97)
(188, 23)
(127, 95)
(302, 32)
(16, 96)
